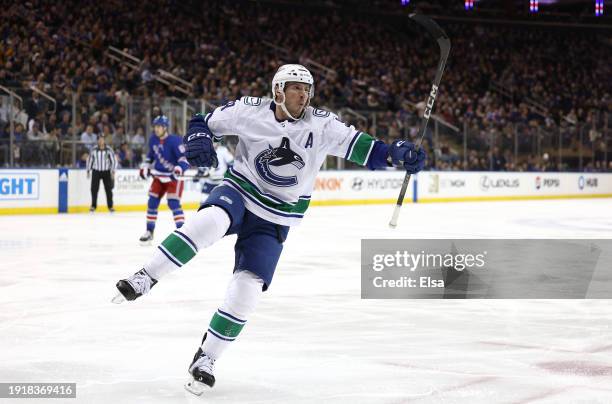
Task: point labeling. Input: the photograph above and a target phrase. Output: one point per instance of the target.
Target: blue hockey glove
(405, 154)
(199, 149)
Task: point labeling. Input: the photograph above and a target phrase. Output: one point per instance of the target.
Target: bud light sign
(19, 186)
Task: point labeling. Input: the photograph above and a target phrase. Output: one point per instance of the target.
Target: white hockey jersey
(276, 163)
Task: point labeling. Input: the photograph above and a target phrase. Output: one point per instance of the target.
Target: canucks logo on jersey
(278, 157)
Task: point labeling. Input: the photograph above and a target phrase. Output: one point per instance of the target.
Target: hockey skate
(133, 287)
(146, 238)
(201, 371)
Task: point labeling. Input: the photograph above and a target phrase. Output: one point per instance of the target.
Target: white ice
(312, 338)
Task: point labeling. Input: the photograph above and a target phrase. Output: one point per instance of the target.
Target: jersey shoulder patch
(251, 101)
(320, 113)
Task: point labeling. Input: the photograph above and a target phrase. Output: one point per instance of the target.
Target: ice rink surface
(312, 339)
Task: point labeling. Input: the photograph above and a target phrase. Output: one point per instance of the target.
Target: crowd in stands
(502, 80)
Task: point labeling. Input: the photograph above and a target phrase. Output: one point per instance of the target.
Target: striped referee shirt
(101, 159)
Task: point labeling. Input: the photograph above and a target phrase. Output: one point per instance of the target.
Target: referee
(102, 162)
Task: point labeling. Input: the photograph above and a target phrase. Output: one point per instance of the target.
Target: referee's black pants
(105, 176)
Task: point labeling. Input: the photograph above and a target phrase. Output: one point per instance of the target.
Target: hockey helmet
(161, 120)
(291, 73)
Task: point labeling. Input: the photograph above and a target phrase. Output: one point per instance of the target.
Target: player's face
(296, 97)
(160, 131)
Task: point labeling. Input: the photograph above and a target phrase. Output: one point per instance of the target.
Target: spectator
(65, 125)
(88, 138)
(51, 148)
(124, 156)
(498, 161)
(34, 133)
(82, 161)
(221, 66)
(138, 140)
(119, 138)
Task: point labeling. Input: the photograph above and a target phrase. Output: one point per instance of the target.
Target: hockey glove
(177, 171)
(202, 173)
(145, 171)
(405, 154)
(199, 149)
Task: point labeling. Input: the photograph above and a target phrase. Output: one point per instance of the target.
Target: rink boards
(58, 191)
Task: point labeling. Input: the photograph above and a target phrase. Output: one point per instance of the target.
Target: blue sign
(19, 186)
(62, 201)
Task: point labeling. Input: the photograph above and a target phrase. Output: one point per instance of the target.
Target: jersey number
(252, 101)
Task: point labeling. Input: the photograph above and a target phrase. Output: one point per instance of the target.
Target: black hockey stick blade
(444, 44)
(436, 31)
(430, 25)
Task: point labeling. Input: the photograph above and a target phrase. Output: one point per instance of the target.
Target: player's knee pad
(206, 227)
(243, 293)
(230, 200)
(153, 202)
(174, 204)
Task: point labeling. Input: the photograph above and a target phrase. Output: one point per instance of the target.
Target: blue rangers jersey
(165, 154)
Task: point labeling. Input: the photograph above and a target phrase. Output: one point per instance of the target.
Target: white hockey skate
(202, 373)
(146, 238)
(133, 287)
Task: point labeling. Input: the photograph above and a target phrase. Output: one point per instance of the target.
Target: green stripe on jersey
(178, 248)
(225, 326)
(361, 149)
(299, 207)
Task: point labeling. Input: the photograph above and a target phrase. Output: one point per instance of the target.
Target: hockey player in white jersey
(282, 145)
(211, 177)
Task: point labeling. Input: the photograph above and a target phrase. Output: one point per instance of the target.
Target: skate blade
(146, 243)
(195, 387)
(119, 299)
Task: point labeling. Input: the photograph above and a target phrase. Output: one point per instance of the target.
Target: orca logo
(278, 157)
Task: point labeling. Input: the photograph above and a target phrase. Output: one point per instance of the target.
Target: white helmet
(291, 73)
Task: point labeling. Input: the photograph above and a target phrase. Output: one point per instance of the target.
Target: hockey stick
(444, 43)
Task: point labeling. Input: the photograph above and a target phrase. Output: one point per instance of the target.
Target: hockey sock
(177, 212)
(241, 297)
(152, 206)
(205, 228)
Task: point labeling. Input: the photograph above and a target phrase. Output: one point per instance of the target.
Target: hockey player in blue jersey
(283, 142)
(166, 162)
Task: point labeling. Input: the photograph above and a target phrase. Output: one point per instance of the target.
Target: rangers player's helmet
(161, 120)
